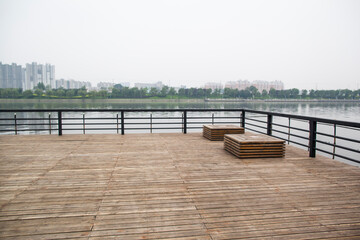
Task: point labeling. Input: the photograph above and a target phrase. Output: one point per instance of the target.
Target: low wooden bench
(216, 132)
(250, 145)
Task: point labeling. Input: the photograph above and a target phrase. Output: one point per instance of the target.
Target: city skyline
(28, 77)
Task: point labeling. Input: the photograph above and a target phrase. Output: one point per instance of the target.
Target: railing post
(117, 123)
(122, 123)
(334, 147)
(243, 118)
(150, 122)
(182, 122)
(289, 131)
(15, 122)
(59, 123)
(83, 123)
(185, 122)
(212, 117)
(312, 138)
(269, 124)
(49, 123)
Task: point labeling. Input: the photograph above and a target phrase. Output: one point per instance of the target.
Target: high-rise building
(157, 85)
(39, 73)
(105, 85)
(259, 84)
(72, 84)
(240, 84)
(11, 76)
(213, 85)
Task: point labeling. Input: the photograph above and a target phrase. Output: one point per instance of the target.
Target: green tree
(294, 93)
(38, 92)
(216, 93)
(172, 92)
(153, 92)
(70, 93)
(304, 93)
(118, 86)
(264, 93)
(253, 91)
(245, 93)
(40, 86)
(27, 94)
(272, 93)
(82, 92)
(164, 91)
(312, 93)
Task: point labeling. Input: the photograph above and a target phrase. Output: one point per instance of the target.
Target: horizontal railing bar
(87, 129)
(255, 130)
(338, 146)
(346, 127)
(325, 124)
(112, 123)
(32, 129)
(151, 128)
(88, 118)
(338, 137)
(148, 118)
(211, 117)
(291, 141)
(211, 122)
(255, 120)
(281, 125)
(256, 125)
(92, 118)
(25, 119)
(122, 110)
(338, 155)
(29, 124)
(291, 134)
(292, 128)
(76, 124)
(143, 123)
(177, 118)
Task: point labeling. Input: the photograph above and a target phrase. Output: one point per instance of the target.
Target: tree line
(168, 92)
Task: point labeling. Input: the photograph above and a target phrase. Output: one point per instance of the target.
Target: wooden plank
(171, 186)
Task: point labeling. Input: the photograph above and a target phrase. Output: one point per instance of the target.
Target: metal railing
(338, 139)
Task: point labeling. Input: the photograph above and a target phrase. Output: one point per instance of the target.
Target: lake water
(349, 111)
(341, 111)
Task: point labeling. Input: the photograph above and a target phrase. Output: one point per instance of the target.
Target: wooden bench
(216, 132)
(250, 145)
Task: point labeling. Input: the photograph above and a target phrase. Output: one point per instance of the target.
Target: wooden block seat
(250, 145)
(216, 132)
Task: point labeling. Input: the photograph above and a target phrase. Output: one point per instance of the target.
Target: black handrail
(265, 123)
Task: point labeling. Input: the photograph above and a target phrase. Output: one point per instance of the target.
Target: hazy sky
(305, 44)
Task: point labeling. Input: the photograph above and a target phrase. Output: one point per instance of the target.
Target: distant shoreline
(99, 100)
(144, 100)
(280, 100)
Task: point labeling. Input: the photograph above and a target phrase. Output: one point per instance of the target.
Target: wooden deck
(169, 186)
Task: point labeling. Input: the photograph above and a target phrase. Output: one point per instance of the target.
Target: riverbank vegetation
(170, 93)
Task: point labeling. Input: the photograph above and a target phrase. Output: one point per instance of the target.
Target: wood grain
(170, 186)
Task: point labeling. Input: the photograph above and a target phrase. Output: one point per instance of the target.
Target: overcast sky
(306, 44)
